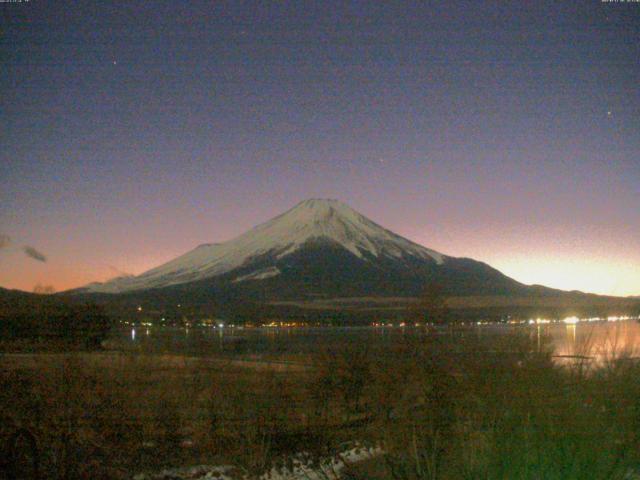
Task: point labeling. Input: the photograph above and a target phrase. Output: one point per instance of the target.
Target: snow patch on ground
(327, 469)
(199, 472)
(299, 467)
(259, 275)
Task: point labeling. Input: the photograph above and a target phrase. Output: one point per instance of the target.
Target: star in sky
(224, 116)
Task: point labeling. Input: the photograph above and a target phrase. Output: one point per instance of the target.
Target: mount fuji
(319, 248)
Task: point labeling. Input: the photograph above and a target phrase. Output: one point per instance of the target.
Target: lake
(597, 339)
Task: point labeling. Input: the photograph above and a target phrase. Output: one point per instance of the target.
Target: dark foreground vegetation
(441, 405)
(45, 322)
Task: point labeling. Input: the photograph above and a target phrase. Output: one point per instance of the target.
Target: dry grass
(444, 406)
(121, 413)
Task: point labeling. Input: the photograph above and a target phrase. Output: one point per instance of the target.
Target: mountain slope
(318, 249)
(259, 253)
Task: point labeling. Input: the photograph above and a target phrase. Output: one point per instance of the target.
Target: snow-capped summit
(311, 221)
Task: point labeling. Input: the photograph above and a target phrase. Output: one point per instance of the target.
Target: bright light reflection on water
(599, 341)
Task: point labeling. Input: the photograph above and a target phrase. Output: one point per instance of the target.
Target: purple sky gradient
(132, 132)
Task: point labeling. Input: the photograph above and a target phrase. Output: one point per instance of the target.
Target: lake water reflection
(598, 340)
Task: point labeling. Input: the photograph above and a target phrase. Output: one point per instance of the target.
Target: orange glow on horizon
(591, 276)
(604, 277)
(555, 259)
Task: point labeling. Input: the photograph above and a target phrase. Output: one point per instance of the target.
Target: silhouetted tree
(44, 289)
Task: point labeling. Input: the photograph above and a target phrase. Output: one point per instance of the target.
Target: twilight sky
(509, 132)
